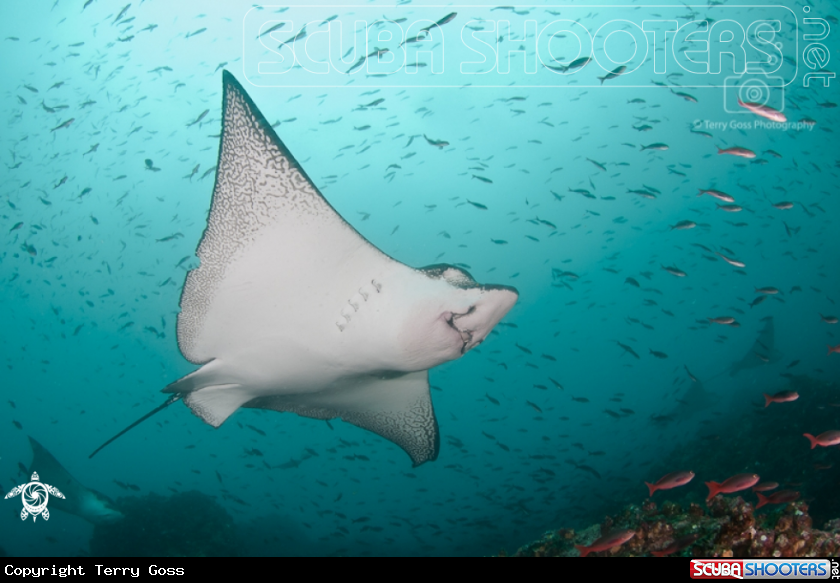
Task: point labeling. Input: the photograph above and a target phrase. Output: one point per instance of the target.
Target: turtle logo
(35, 496)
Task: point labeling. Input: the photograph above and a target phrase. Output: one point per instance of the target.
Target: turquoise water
(518, 171)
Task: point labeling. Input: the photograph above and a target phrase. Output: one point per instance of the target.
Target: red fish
(780, 497)
(736, 483)
(737, 151)
(764, 486)
(606, 542)
(670, 481)
(826, 439)
(763, 111)
(780, 397)
(834, 349)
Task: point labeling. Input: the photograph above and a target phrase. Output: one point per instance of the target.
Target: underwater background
(526, 172)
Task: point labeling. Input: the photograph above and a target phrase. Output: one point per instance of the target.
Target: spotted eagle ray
(293, 310)
(89, 504)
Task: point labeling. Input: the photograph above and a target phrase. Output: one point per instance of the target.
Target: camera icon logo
(755, 88)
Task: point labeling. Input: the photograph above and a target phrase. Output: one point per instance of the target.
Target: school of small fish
(644, 243)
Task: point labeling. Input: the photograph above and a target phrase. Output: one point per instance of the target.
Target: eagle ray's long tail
(169, 401)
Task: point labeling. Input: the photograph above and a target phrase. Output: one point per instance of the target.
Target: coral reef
(727, 527)
(765, 440)
(752, 438)
(188, 524)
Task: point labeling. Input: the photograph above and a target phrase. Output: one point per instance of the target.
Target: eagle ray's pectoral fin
(214, 404)
(209, 394)
(395, 406)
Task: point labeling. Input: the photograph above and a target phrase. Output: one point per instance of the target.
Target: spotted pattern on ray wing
(257, 180)
(413, 427)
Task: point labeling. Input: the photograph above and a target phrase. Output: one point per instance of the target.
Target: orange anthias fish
(834, 349)
(826, 439)
(736, 483)
(780, 397)
(606, 542)
(670, 481)
(780, 497)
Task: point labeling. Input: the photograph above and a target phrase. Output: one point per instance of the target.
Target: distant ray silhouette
(695, 400)
(763, 351)
(84, 502)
